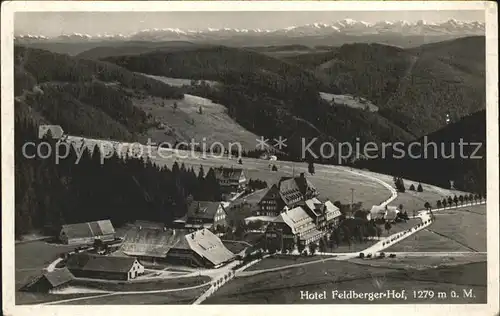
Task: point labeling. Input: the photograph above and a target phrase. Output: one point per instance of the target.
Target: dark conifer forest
(48, 195)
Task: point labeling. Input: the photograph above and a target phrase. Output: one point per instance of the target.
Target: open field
(283, 287)
(177, 82)
(185, 123)
(355, 247)
(413, 199)
(421, 262)
(27, 298)
(454, 230)
(180, 297)
(350, 101)
(143, 284)
(283, 260)
(463, 227)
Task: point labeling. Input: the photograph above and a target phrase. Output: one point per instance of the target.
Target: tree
(450, 201)
(312, 248)
(310, 167)
(438, 204)
(471, 197)
(455, 200)
(461, 199)
(274, 168)
(466, 198)
(427, 205)
(347, 235)
(300, 247)
(419, 188)
(412, 187)
(399, 184)
(444, 203)
(322, 244)
(387, 227)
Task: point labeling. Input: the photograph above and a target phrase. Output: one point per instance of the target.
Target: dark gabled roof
(91, 262)
(203, 209)
(293, 188)
(157, 243)
(58, 277)
(305, 186)
(289, 190)
(90, 229)
(224, 173)
(152, 242)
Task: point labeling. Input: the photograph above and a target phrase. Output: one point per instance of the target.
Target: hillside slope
(266, 95)
(414, 88)
(84, 97)
(437, 158)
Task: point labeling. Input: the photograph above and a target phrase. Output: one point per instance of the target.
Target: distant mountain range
(347, 27)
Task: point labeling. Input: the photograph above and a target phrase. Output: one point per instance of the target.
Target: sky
(93, 23)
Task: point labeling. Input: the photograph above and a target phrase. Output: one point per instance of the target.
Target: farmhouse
(231, 179)
(288, 192)
(177, 246)
(49, 281)
(86, 233)
(206, 214)
(87, 265)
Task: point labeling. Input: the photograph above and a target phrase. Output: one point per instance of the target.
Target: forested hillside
(437, 158)
(88, 98)
(414, 88)
(267, 96)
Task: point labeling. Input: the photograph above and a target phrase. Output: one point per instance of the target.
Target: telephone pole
(352, 201)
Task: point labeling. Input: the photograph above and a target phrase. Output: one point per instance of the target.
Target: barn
(87, 233)
(49, 281)
(85, 265)
(176, 246)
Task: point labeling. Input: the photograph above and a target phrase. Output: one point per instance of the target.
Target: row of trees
(462, 199)
(49, 194)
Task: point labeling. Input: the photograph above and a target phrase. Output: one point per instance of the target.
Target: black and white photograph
(228, 153)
